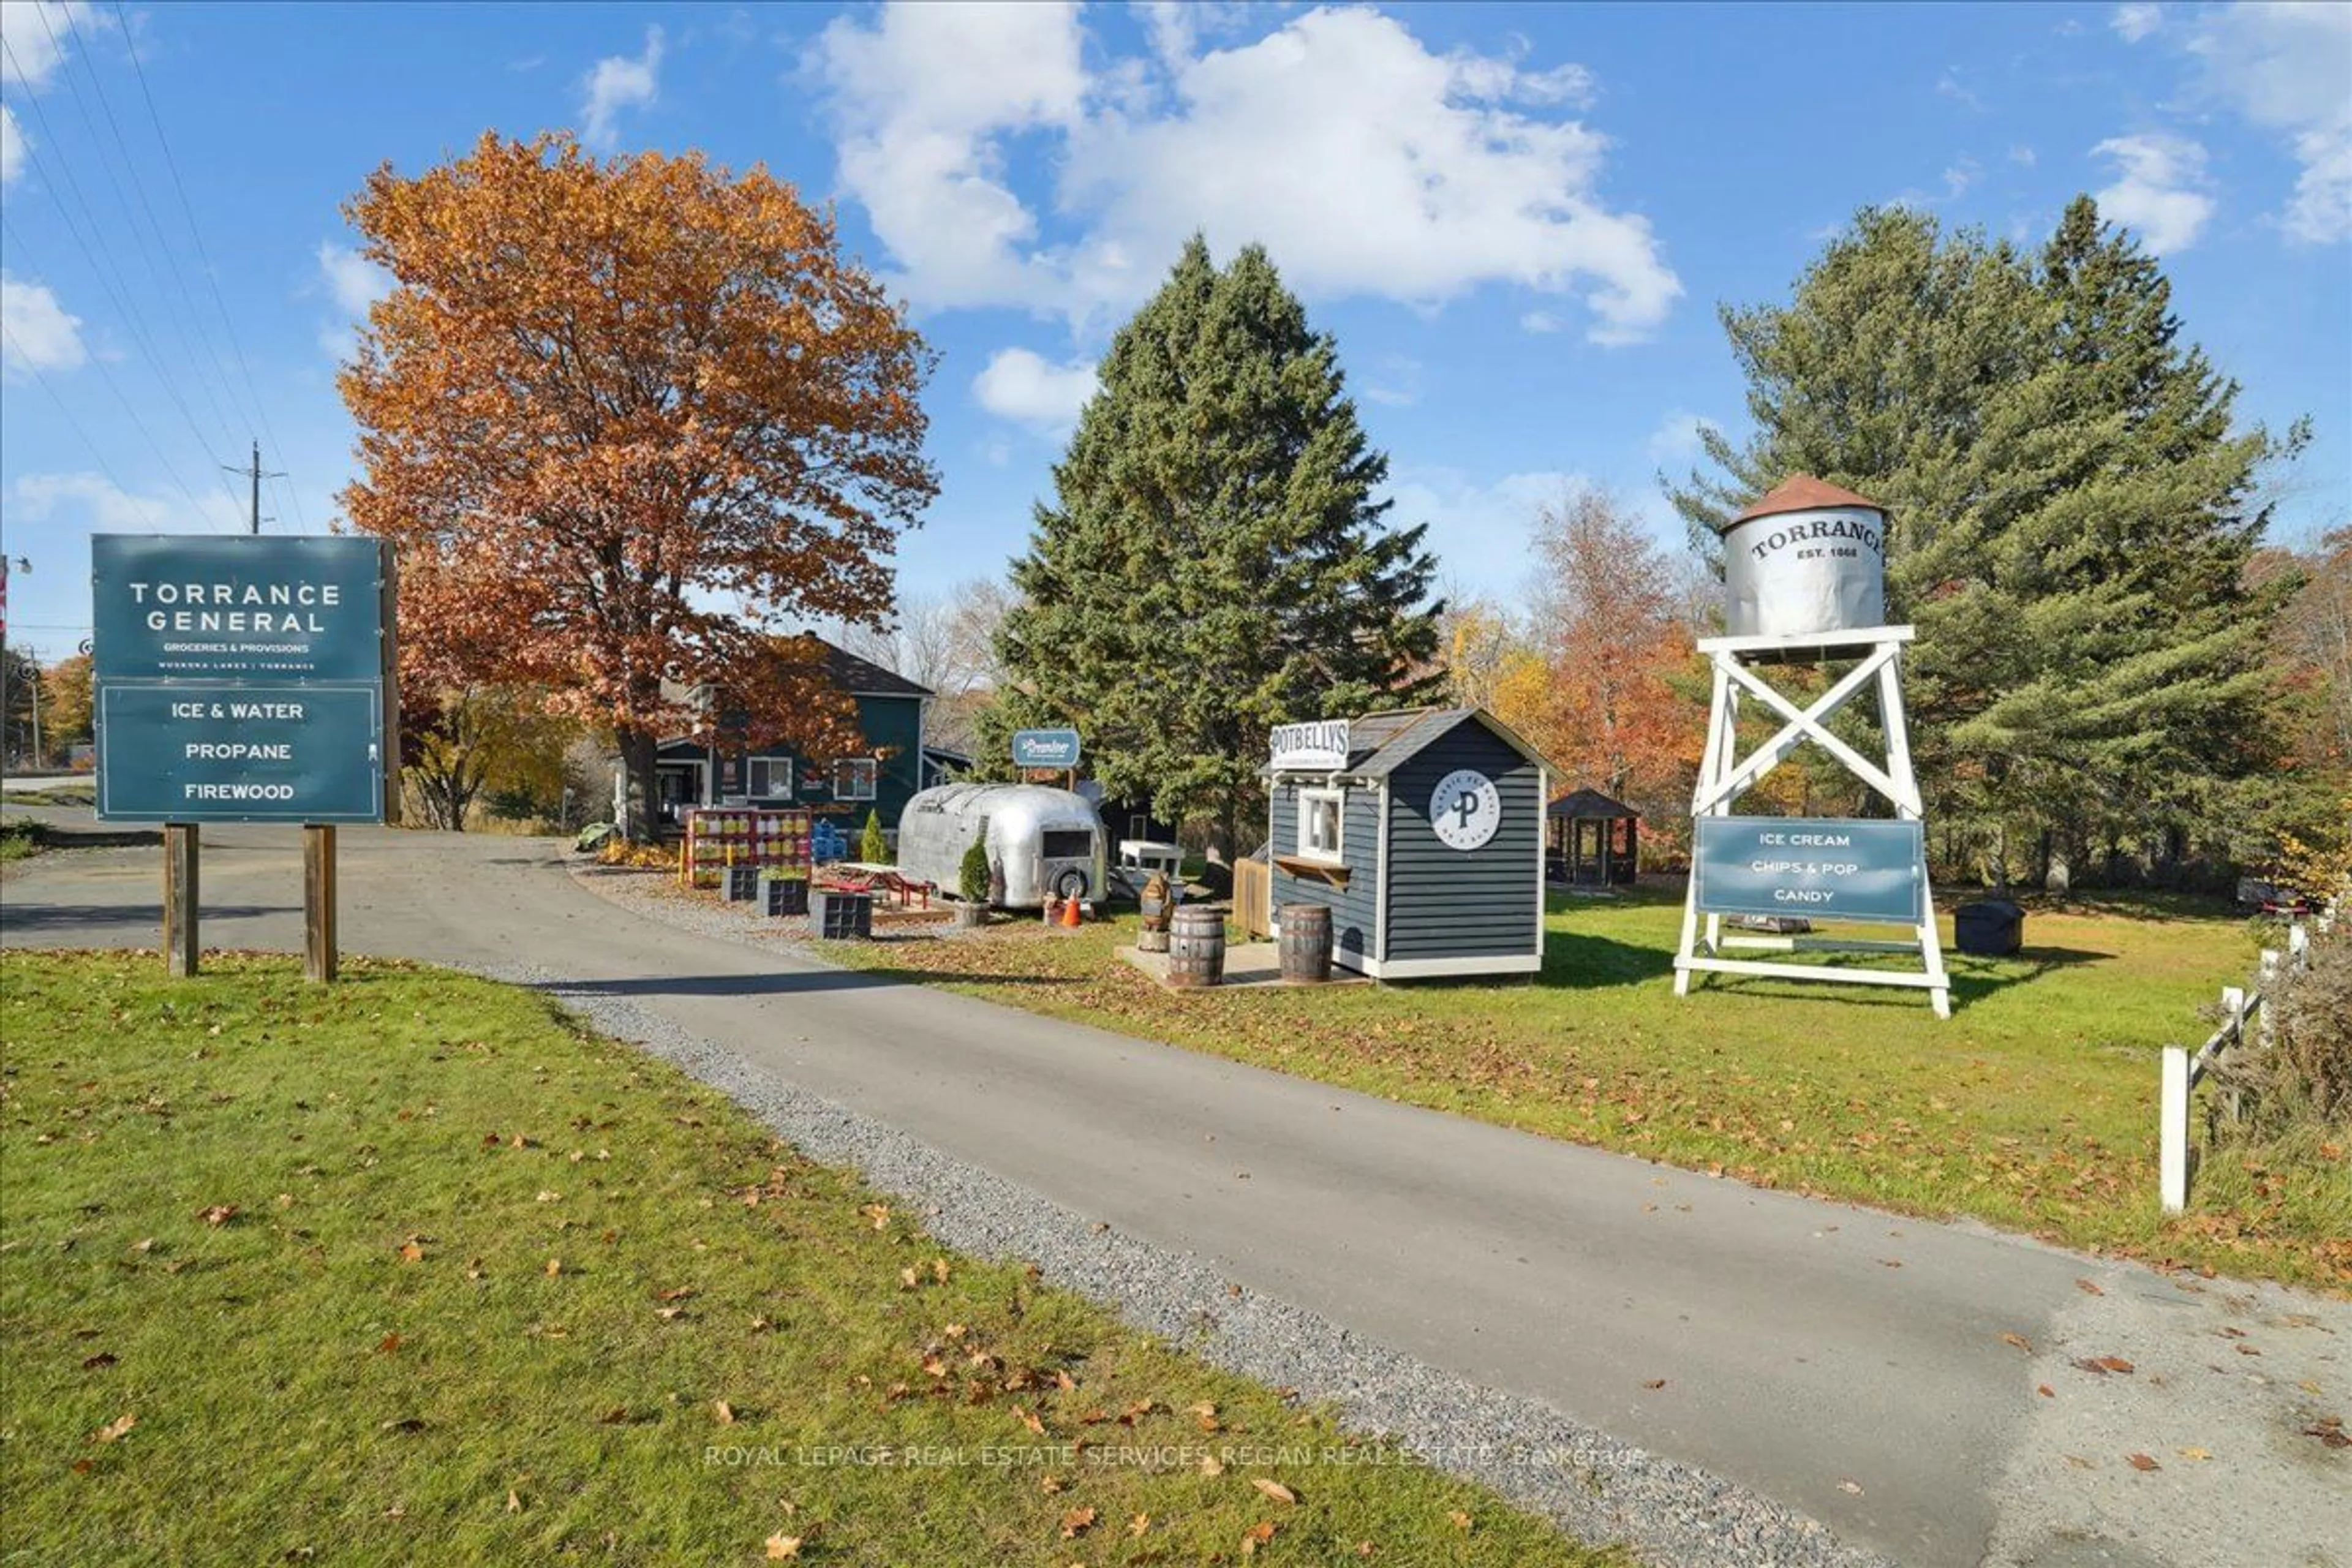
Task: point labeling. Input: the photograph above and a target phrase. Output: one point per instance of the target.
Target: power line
(66, 409)
(106, 374)
(156, 269)
(117, 290)
(188, 212)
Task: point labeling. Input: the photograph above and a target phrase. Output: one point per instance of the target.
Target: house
(881, 777)
(1422, 832)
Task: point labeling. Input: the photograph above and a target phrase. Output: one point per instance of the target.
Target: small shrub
(2305, 1077)
(971, 876)
(873, 846)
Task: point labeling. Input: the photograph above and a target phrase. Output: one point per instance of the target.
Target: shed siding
(1353, 910)
(1451, 903)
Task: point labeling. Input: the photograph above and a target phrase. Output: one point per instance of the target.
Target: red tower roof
(1803, 492)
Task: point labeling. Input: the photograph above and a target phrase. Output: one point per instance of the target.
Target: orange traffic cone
(1070, 913)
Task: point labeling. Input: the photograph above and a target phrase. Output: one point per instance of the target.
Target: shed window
(853, 779)
(771, 778)
(1320, 815)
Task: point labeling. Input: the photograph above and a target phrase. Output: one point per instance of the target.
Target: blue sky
(1518, 220)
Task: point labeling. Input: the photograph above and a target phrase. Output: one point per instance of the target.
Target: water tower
(1804, 582)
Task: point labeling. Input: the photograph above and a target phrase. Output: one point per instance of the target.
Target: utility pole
(257, 475)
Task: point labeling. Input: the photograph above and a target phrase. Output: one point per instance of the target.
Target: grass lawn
(410, 1270)
(2033, 1107)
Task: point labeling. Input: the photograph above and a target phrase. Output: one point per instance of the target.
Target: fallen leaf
(2105, 1364)
(906, 1279)
(554, 1267)
(514, 1504)
(781, 1546)
(2196, 1454)
(1212, 1466)
(1029, 1420)
(1138, 1524)
(2020, 1341)
(2044, 1389)
(2080, 1464)
(1890, 1263)
(116, 1428)
(103, 1358)
(1077, 1523)
(1274, 1490)
(2142, 1462)
(1050, 1484)
(1655, 1383)
(1460, 1520)
(219, 1214)
(1852, 1487)
(724, 1411)
(1256, 1536)
(388, 1344)
(2088, 1289)
(411, 1253)
(2247, 1349)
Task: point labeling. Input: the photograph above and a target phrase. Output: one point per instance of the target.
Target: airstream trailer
(1043, 843)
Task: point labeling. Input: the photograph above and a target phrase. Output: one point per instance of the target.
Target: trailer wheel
(1070, 884)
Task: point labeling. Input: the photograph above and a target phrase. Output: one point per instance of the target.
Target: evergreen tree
(2073, 512)
(1213, 563)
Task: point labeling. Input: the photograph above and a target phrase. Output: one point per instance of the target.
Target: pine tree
(2073, 511)
(1212, 562)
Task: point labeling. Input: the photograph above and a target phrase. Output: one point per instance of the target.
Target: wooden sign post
(318, 901)
(180, 945)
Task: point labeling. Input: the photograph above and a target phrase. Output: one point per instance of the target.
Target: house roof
(1380, 743)
(863, 678)
(1589, 802)
(1801, 492)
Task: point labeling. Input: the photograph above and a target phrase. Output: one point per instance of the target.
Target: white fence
(2184, 1070)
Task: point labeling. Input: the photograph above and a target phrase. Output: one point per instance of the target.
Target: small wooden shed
(1595, 842)
(1421, 831)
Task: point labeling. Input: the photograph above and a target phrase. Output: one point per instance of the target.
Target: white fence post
(2266, 987)
(2172, 1166)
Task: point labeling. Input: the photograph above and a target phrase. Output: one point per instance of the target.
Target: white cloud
(353, 280)
(35, 33)
(2024, 155)
(619, 82)
(2136, 22)
(12, 146)
(1024, 387)
(2160, 189)
(40, 334)
(1675, 440)
(1395, 382)
(2288, 68)
(1366, 164)
(1478, 531)
(1543, 321)
(354, 283)
(95, 501)
(920, 99)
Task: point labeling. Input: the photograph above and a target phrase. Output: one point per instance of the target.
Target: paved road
(1847, 1363)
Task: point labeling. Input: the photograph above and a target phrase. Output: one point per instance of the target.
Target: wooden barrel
(1196, 947)
(1306, 942)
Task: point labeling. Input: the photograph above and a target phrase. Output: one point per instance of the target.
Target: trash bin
(1988, 928)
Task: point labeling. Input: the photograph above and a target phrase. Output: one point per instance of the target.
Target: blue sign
(242, 679)
(1835, 869)
(206, 752)
(1044, 748)
(211, 607)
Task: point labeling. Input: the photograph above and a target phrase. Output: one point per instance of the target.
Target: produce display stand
(719, 837)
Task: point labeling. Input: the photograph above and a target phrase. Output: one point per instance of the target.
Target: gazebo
(1608, 853)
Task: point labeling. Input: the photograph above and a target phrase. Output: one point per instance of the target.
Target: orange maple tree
(1594, 690)
(621, 418)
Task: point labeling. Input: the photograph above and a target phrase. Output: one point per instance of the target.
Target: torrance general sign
(240, 680)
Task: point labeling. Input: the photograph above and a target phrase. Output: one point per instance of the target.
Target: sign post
(244, 680)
